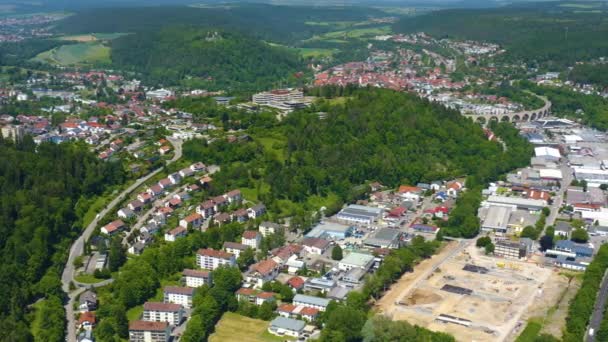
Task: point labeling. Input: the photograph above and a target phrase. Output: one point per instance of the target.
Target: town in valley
(204, 202)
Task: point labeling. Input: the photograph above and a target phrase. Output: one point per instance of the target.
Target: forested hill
(532, 33)
(283, 24)
(43, 192)
(392, 137)
(207, 58)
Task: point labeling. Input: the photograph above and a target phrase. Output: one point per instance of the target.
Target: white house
(267, 228)
(193, 220)
(262, 272)
(163, 312)
(211, 259)
(252, 239)
(175, 234)
(195, 278)
(179, 295)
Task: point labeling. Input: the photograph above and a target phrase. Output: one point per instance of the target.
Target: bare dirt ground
(552, 306)
(494, 309)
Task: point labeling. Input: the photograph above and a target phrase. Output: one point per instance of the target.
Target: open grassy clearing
(87, 279)
(91, 37)
(356, 33)
(74, 54)
(317, 52)
(237, 328)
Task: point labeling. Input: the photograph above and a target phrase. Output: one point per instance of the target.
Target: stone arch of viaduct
(524, 116)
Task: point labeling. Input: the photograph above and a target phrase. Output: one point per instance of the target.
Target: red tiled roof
(193, 217)
(245, 291)
(87, 317)
(296, 282)
(308, 311)
(148, 326)
(177, 230)
(214, 254)
(250, 234)
(315, 242)
(286, 308)
(157, 306)
(265, 266)
(405, 188)
(266, 295)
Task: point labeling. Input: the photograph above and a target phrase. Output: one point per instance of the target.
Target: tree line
(39, 188)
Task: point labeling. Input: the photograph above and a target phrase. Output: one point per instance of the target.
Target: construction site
(465, 293)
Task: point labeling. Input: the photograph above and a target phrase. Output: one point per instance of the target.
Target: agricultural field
(91, 37)
(317, 52)
(76, 54)
(353, 33)
(236, 328)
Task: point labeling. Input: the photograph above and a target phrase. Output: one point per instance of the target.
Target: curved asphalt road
(77, 248)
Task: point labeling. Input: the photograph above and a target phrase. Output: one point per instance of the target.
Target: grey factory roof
(357, 259)
(497, 217)
(383, 237)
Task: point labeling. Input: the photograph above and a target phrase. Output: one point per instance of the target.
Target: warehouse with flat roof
(331, 231)
(520, 203)
(384, 238)
(356, 260)
(360, 214)
(497, 218)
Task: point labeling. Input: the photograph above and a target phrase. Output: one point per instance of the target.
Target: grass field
(91, 37)
(357, 33)
(532, 330)
(76, 54)
(317, 52)
(236, 328)
(134, 314)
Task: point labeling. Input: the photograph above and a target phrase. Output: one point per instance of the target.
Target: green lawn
(317, 52)
(237, 328)
(252, 194)
(87, 279)
(134, 314)
(532, 330)
(341, 36)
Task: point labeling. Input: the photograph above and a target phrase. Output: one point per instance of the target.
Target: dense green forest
(40, 188)
(539, 33)
(284, 24)
(218, 59)
(590, 109)
(596, 74)
(376, 134)
(19, 53)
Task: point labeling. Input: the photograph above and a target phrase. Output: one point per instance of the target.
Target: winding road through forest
(77, 248)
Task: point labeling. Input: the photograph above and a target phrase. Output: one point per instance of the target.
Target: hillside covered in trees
(534, 33)
(40, 187)
(283, 24)
(212, 59)
(376, 134)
